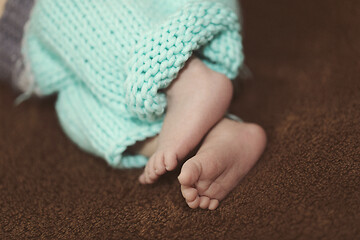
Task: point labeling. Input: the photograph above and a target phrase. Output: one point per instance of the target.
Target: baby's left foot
(227, 154)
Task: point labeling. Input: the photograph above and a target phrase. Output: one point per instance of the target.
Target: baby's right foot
(227, 154)
(197, 100)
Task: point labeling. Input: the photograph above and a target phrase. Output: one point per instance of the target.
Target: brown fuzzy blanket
(305, 92)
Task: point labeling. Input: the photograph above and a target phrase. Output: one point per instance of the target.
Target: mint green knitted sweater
(108, 59)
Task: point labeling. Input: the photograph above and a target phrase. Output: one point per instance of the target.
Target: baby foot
(197, 100)
(160, 162)
(228, 153)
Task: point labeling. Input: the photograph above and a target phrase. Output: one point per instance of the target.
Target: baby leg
(197, 100)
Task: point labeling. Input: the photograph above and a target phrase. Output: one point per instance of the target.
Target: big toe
(170, 161)
(190, 173)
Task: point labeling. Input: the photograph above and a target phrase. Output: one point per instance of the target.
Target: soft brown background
(304, 56)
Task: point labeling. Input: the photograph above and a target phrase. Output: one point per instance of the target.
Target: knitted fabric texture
(108, 60)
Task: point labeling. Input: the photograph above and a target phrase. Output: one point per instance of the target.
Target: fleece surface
(305, 58)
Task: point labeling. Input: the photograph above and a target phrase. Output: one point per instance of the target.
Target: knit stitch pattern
(109, 59)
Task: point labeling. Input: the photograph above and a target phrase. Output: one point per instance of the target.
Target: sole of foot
(227, 154)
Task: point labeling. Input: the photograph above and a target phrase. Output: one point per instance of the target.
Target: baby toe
(204, 202)
(142, 178)
(159, 166)
(195, 203)
(214, 203)
(152, 178)
(148, 173)
(190, 173)
(170, 161)
(189, 193)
